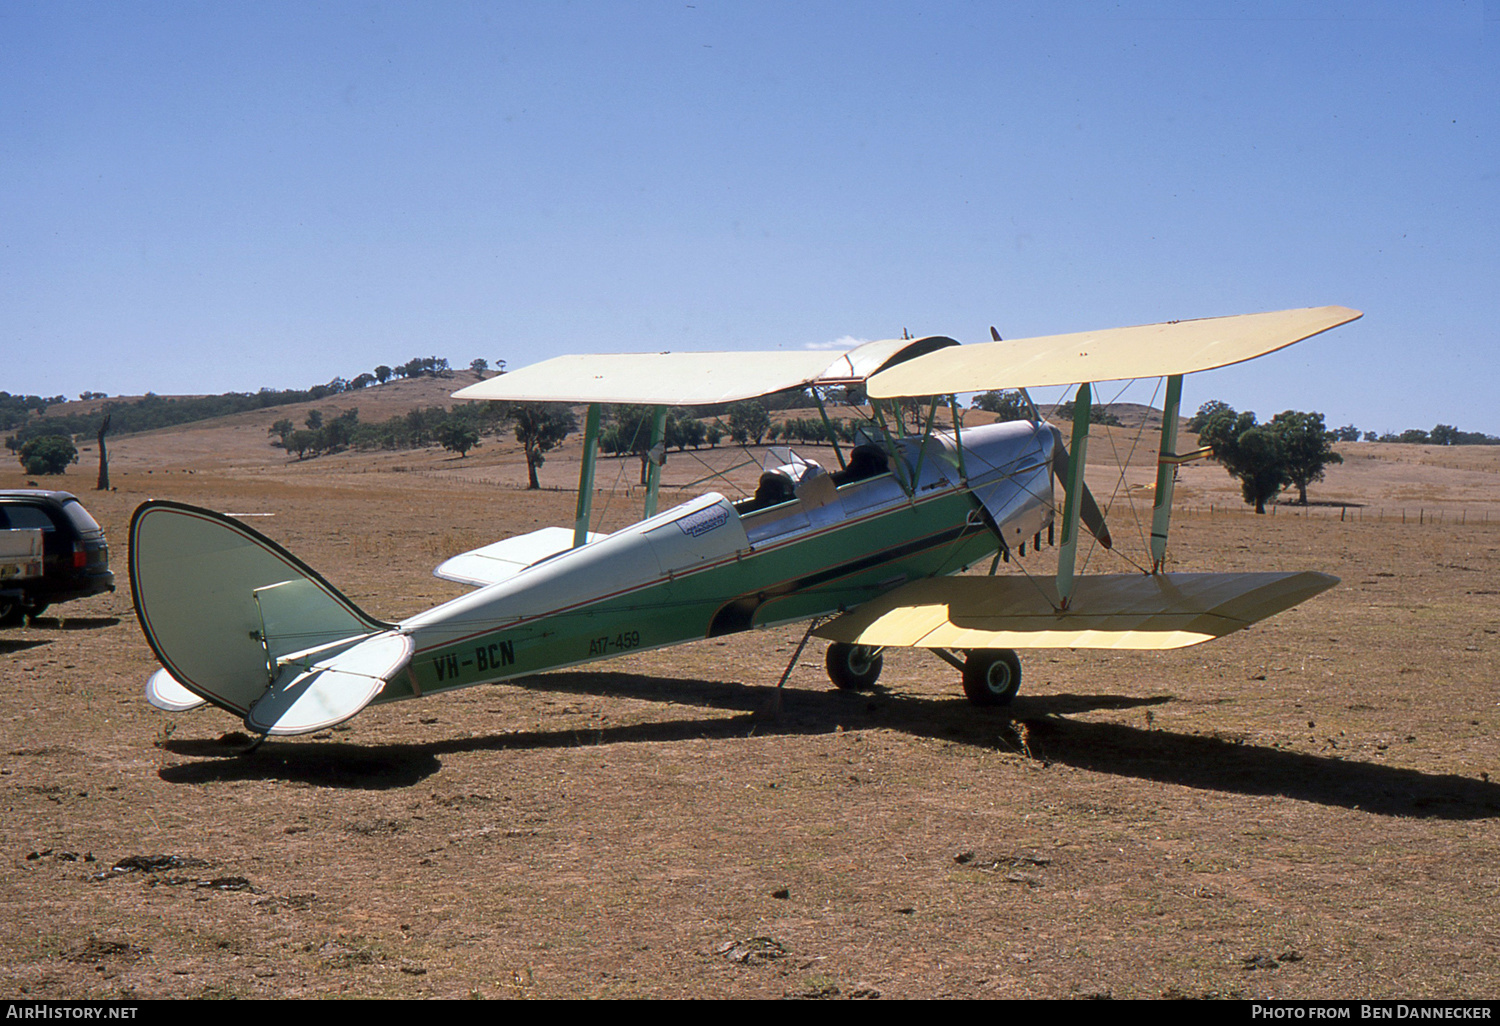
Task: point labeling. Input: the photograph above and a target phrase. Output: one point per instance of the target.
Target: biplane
(867, 552)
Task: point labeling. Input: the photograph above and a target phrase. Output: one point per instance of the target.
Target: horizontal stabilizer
(310, 694)
(163, 692)
(1119, 611)
(504, 559)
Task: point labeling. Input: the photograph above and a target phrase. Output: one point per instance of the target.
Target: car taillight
(80, 557)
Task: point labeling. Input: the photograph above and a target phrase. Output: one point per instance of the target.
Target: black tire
(854, 667)
(12, 612)
(992, 676)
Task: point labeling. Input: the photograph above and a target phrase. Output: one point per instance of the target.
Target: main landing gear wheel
(992, 676)
(854, 667)
(13, 612)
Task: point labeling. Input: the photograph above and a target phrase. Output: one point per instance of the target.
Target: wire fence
(1419, 516)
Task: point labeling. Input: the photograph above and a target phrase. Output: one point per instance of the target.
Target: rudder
(220, 603)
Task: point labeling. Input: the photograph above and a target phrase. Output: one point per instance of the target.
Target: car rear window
(24, 516)
(82, 522)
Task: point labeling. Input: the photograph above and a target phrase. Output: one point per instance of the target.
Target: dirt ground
(1303, 809)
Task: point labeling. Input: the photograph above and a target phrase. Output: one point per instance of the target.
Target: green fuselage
(706, 569)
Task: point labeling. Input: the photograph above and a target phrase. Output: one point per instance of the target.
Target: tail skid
(238, 621)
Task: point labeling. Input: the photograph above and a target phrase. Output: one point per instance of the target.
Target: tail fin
(236, 619)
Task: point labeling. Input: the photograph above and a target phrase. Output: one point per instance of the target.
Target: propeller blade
(1093, 518)
(994, 334)
(1089, 513)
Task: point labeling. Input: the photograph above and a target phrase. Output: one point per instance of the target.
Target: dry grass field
(1301, 810)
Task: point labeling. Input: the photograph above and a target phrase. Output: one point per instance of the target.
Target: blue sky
(210, 197)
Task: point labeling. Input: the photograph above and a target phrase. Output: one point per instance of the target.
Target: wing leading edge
(1114, 611)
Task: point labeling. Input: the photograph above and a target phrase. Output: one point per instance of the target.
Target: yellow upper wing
(1144, 351)
(693, 379)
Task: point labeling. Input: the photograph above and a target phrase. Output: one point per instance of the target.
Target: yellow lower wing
(1134, 611)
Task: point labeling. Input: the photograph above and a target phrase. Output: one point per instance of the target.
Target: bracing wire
(1120, 483)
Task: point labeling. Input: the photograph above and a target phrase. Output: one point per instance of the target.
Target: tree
(541, 427)
(479, 366)
(49, 454)
(456, 436)
(690, 431)
(748, 421)
(1249, 451)
(383, 373)
(1205, 413)
(1009, 404)
(1305, 448)
(301, 441)
(103, 483)
(633, 428)
(912, 408)
(337, 434)
(1097, 414)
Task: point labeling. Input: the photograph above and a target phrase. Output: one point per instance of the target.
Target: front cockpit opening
(787, 476)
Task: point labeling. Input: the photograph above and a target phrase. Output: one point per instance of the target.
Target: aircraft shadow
(8, 646)
(1037, 726)
(340, 765)
(73, 623)
(1216, 764)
